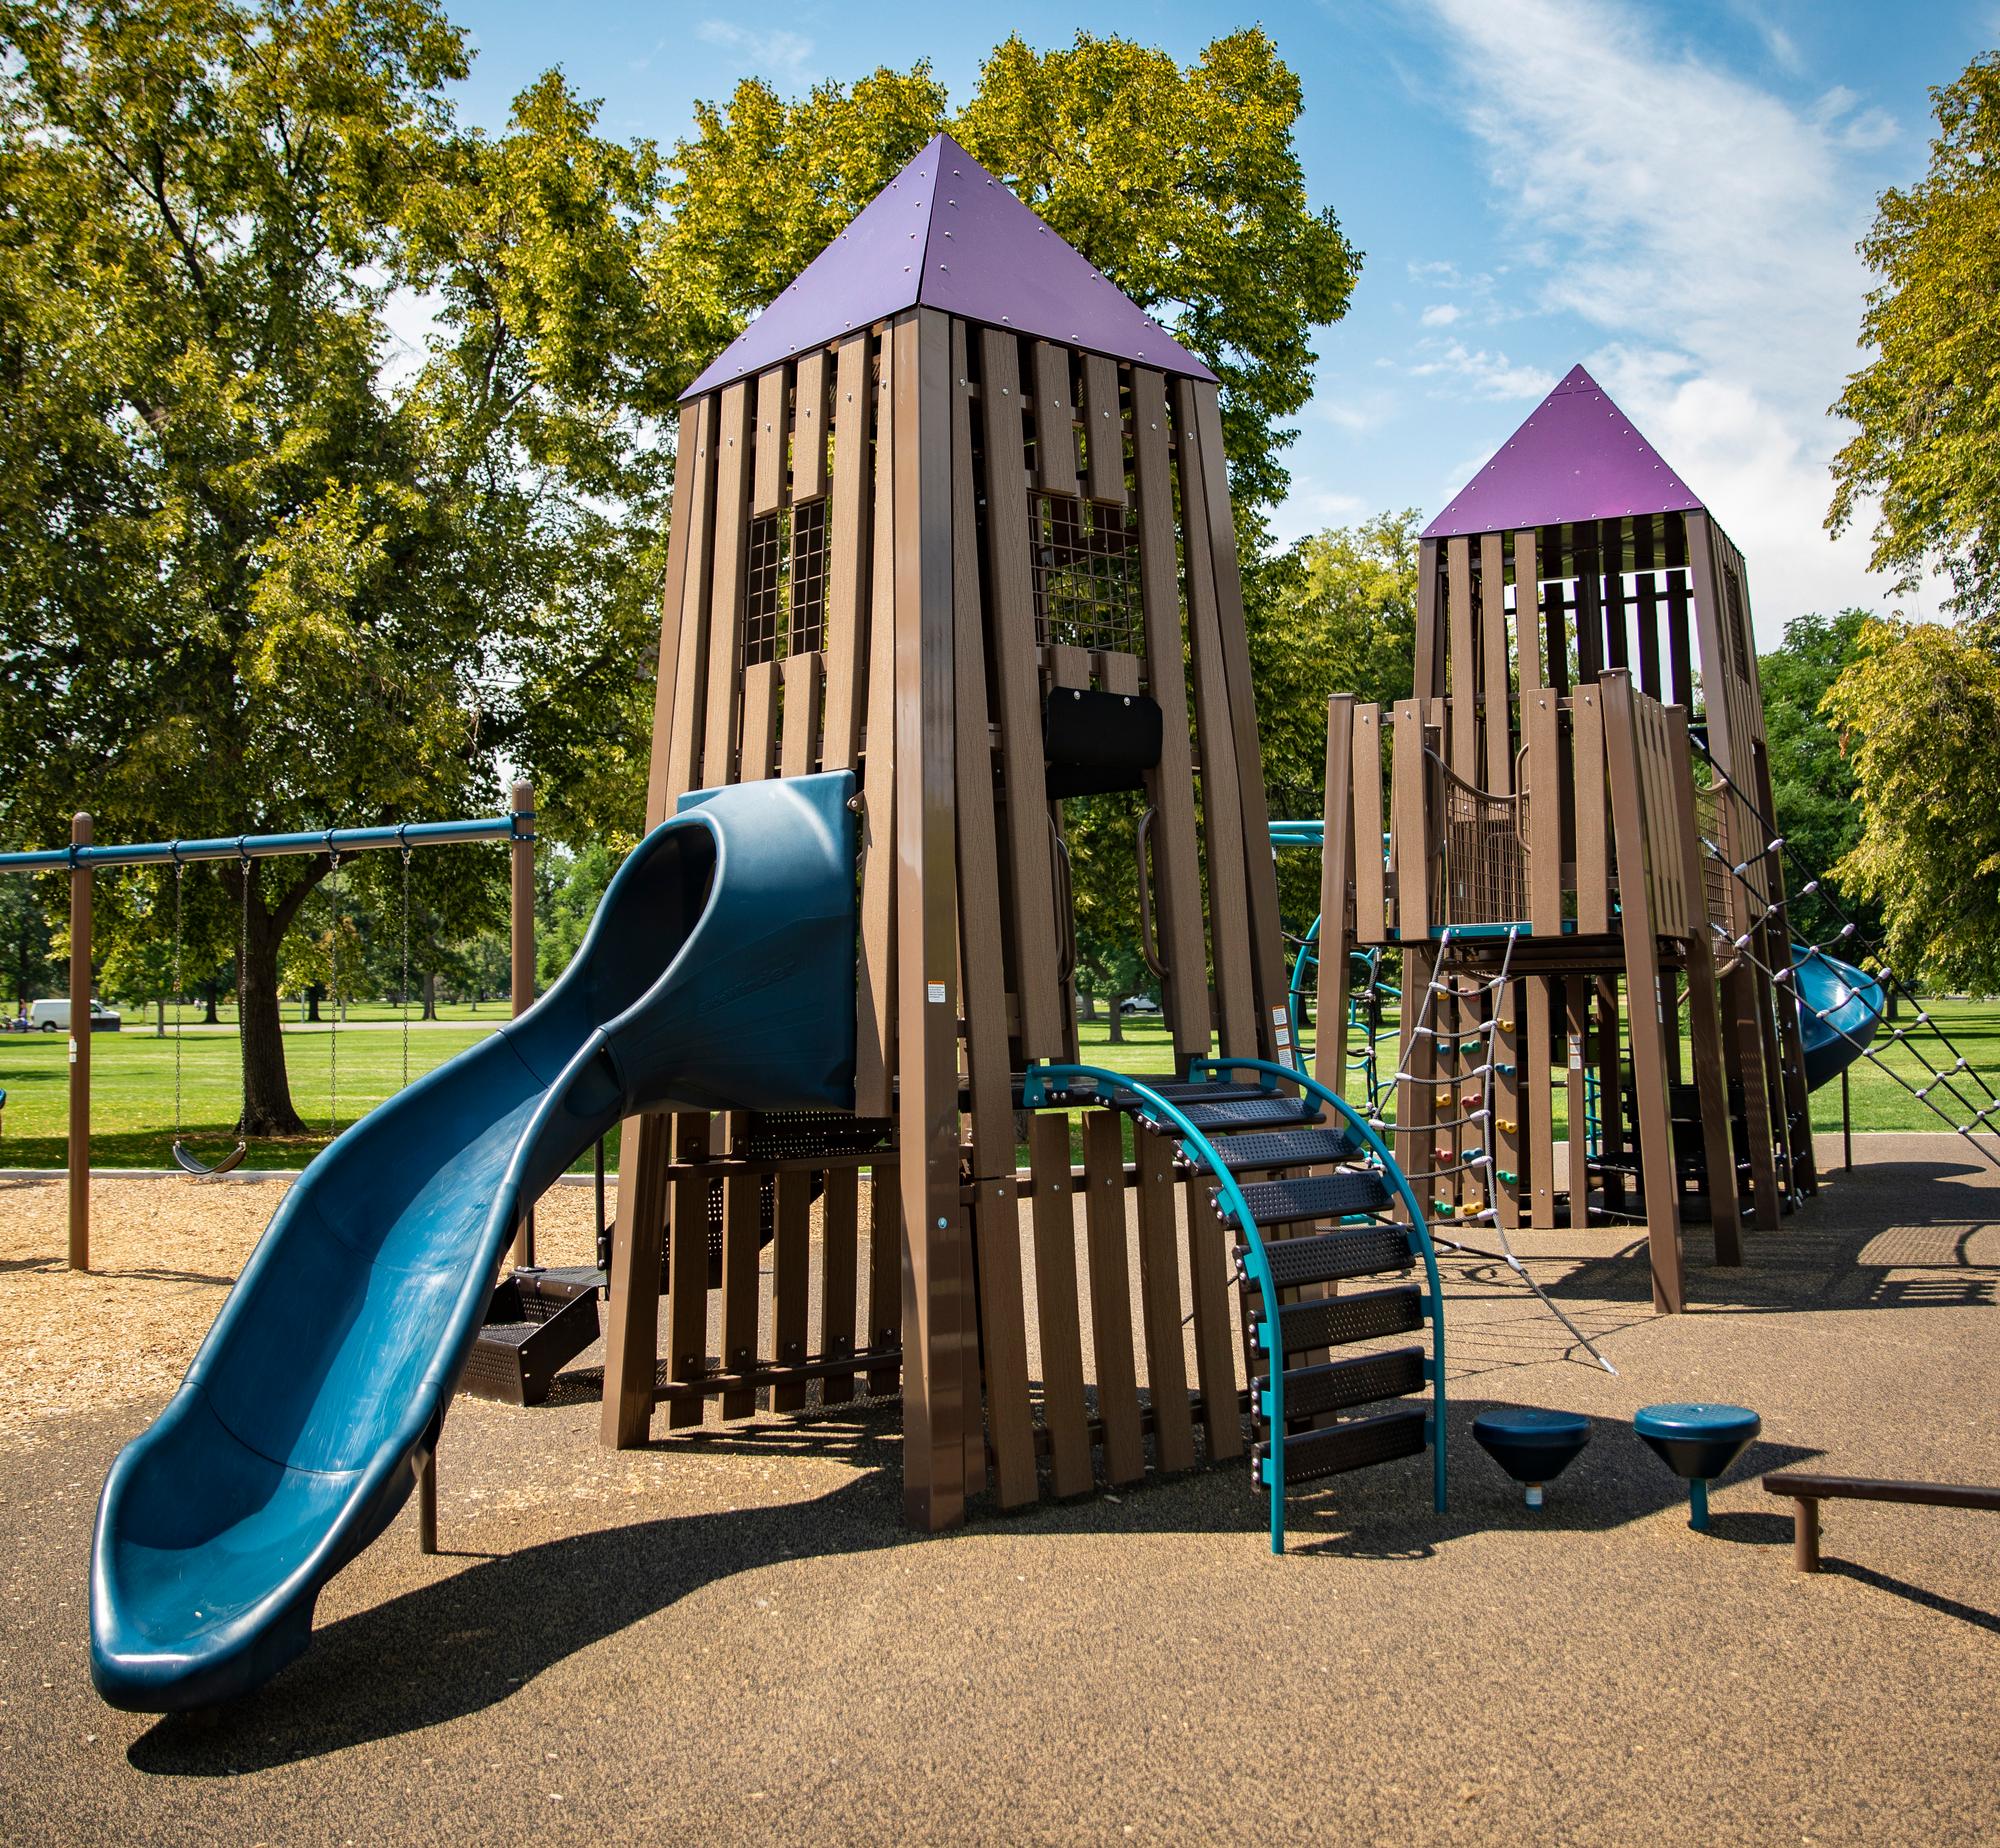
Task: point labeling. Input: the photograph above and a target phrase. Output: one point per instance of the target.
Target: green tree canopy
(265, 570)
(1927, 450)
(1919, 708)
(1181, 183)
(1812, 783)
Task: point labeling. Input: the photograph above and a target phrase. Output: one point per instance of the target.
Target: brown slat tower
(1576, 603)
(953, 513)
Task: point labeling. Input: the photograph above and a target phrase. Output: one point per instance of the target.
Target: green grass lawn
(132, 1082)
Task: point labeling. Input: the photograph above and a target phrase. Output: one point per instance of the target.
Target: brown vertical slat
(767, 473)
(1646, 589)
(1541, 779)
(725, 627)
(1222, 802)
(1576, 1064)
(1069, 666)
(683, 741)
(1416, 1099)
(1704, 1019)
(1709, 616)
(1463, 665)
(1555, 607)
(874, 1052)
(1160, 1300)
(809, 426)
(1336, 880)
(1017, 698)
(1427, 675)
(847, 555)
(632, 1315)
(742, 1213)
(1589, 604)
(885, 1265)
(1593, 869)
(1184, 992)
(1370, 905)
(1649, 1062)
(1115, 672)
(1267, 951)
(1610, 1082)
(1003, 1343)
(791, 1280)
(690, 468)
(1611, 555)
(1214, 1336)
(1111, 1295)
(804, 675)
(1055, 420)
(840, 1218)
(687, 1279)
(1056, 1305)
(1406, 826)
(1507, 1140)
(1498, 698)
(1538, 1105)
(1103, 430)
(941, 1458)
(760, 721)
(1527, 612)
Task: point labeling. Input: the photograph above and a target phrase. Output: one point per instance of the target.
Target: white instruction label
(935, 992)
(72, 1048)
(1576, 1052)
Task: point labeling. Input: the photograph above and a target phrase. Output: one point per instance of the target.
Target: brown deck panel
(1413, 916)
(839, 1273)
(1003, 1345)
(1160, 1305)
(1370, 876)
(1593, 870)
(741, 1223)
(791, 1279)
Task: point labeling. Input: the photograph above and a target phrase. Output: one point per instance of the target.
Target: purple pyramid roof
(944, 233)
(1576, 458)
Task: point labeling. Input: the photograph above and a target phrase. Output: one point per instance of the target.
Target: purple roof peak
(945, 234)
(1577, 457)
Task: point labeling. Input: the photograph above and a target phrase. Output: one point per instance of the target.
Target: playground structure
(1559, 882)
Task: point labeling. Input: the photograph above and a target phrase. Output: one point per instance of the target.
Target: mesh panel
(1485, 863)
(764, 588)
(1086, 575)
(809, 542)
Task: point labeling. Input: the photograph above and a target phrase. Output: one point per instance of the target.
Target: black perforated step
(1318, 1196)
(1335, 1321)
(1332, 1257)
(1358, 1380)
(1255, 1110)
(1353, 1445)
(1278, 1148)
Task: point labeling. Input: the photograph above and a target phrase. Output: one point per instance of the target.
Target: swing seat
(190, 1164)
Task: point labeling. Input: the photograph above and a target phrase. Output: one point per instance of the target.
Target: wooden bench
(1807, 1491)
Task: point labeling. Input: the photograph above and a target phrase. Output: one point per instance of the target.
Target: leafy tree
(1181, 184)
(26, 942)
(1920, 710)
(263, 571)
(1812, 782)
(1927, 449)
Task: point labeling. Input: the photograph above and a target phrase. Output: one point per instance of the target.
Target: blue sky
(1669, 193)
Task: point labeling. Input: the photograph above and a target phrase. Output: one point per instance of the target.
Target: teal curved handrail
(1420, 1234)
(1047, 1083)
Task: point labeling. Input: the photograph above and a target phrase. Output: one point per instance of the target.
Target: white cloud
(1707, 229)
(783, 53)
(1485, 374)
(1312, 507)
(1440, 314)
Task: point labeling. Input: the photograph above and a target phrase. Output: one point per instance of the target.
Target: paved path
(729, 1637)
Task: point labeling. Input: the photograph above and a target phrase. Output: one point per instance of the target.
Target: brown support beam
(78, 1152)
(938, 1315)
(521, 958)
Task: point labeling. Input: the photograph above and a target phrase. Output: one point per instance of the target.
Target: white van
(53, 1016)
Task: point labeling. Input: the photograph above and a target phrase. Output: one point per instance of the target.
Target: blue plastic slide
(1840, 1007)
(718, 974)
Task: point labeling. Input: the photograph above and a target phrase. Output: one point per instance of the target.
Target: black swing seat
(189, 1164)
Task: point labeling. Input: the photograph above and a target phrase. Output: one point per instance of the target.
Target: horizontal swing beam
(519, 826)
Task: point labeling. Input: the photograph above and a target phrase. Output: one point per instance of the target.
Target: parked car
(52, 1016)
(1138, 1004)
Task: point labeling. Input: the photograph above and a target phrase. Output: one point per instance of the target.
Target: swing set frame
(82, 857)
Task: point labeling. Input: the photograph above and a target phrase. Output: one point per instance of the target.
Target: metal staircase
(1327, 1207)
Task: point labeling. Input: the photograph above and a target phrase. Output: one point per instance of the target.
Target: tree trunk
(209, 1017)
(267, 1091)
(1088, 997)
(313, 994)
(1116, 1036)
(430, 995)
(160, 1018)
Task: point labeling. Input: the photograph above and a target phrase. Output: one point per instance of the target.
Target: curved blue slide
(1840, 1007)
(718, 974)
